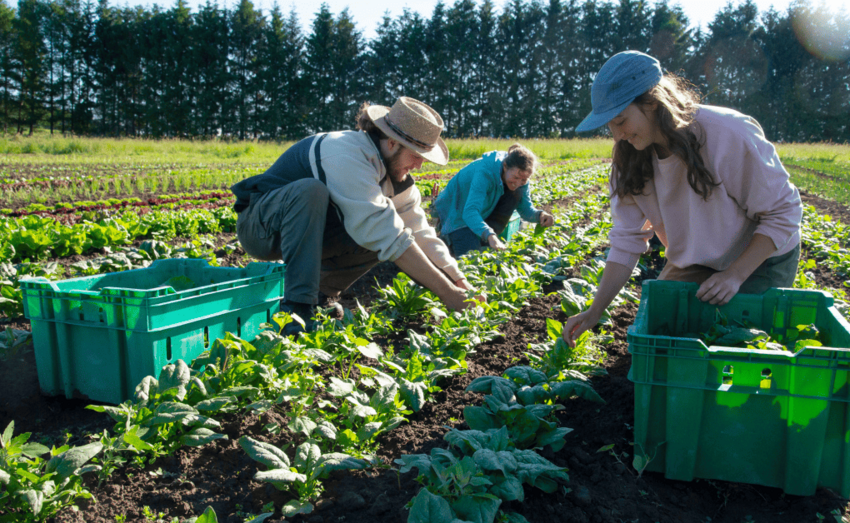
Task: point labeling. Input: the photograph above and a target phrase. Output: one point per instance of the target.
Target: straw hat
(415, 125)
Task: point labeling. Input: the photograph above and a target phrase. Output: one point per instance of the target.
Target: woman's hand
(576, 325)
(546, 219)
(720, 287)
(495, 242)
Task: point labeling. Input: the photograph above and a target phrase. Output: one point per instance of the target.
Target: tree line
(525, 70)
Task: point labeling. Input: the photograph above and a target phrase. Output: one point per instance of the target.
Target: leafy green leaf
(480, 418)
(525, 375)
(66, 463)
(200, 436)
(306, 456)
(371, 351)
(35, 499)
(295, 507)
(175, 375)
(280, 476)
(477, 508)
(265, 453)
(486, 384)
(215, 404)
(303, 425)
(568, 389)
(413, 394)
(429, 508)
(209, 516)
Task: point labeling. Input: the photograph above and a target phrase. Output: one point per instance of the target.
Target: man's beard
(392, 165)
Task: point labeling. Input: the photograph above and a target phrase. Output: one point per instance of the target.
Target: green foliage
(475, 475)
(746, 335)
(301, 474)
(38, 488)
(404, 299)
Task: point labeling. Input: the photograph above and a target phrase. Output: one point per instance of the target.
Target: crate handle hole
(239, 327)
(168, 349)
(206, 337)
(766, 379)
(728, 371)
(100, 315)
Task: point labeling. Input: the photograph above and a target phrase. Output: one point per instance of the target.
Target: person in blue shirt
(478, 202)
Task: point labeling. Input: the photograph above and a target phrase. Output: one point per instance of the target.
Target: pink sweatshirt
(754, 196)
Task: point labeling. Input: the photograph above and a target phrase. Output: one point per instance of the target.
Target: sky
(367, 14)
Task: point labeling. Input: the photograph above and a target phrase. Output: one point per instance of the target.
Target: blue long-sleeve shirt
(470, 197)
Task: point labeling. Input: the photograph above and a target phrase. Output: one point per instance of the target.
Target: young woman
(704, 179)
(478, 202)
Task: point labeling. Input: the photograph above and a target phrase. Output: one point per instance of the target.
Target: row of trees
(526, 70)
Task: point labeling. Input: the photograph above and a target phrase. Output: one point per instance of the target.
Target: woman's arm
(721, 287)
(614, 278)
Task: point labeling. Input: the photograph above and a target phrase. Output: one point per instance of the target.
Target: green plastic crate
(98, 336)
(763, 417)
(512, 228)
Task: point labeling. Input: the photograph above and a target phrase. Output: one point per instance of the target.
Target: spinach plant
(37, 488)
(303, 474)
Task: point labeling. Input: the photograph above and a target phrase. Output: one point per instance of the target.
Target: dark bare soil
(601, 488)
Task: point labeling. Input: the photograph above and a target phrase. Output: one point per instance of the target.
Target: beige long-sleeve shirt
(754, 195)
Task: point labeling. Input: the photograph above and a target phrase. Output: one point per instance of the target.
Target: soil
(603, 487)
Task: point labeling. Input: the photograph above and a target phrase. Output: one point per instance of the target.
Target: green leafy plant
(39, 488)
(303, 474)
(475, 475)
(404, 299)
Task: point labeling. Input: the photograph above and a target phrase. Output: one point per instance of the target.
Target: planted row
(179, 407)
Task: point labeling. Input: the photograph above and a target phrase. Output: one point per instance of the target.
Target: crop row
(482, 467)
(32, 238)
(80, 207)
(179, 407)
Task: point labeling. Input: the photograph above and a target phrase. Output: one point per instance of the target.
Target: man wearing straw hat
(335, 204)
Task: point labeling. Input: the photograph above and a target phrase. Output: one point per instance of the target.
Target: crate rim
(39, 283)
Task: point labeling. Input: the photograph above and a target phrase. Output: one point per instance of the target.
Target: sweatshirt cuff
(780, 238)
(399, 246)
(486, 234)
(453, 272)
(628, 259)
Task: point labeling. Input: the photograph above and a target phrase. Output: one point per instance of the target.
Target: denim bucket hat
(624, 77)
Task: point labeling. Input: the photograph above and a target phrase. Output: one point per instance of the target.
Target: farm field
(337, 426)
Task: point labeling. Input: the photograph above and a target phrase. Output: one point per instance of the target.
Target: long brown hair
(676, 104)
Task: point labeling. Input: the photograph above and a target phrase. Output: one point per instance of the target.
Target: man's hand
(464, 284)
(495, 242)
(415, 264)
(546, 219)
(457, 300)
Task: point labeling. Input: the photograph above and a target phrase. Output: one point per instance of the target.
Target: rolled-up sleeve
(760, 184)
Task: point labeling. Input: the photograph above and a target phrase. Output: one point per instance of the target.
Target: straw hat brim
(438, 153)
